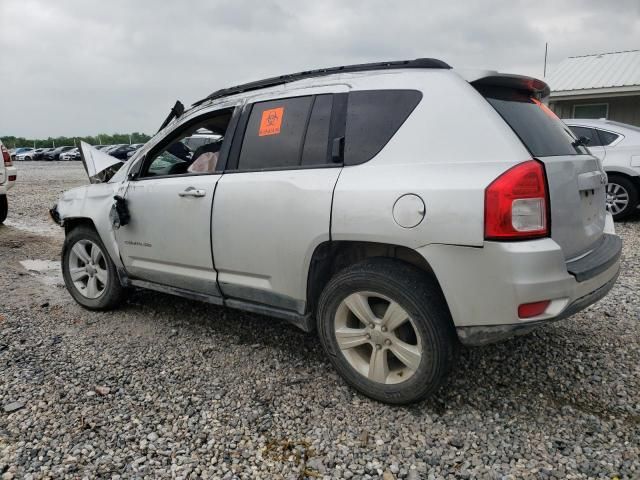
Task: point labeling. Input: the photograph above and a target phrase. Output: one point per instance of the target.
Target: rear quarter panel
(447, 152)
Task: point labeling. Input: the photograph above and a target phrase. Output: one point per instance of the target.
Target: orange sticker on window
(271, 121)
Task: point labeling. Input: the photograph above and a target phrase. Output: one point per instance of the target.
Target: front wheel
(387, 330)
(4, 208)
(622, 197)
(89, 273)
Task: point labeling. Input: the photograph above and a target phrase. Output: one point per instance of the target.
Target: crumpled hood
(100, 166)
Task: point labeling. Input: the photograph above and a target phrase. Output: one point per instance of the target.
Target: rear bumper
(484, 335)
(484, 286)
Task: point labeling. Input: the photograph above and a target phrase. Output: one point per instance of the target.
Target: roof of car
(292, 77)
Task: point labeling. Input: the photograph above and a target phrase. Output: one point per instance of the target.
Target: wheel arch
(75, 222)
(71, 223)
(633, 177)
(627, 172)
(330, 257)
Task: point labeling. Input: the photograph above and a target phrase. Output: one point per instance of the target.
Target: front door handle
(192, 192)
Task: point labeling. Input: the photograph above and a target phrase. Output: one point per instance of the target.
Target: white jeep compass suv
(8, 177)
(396, 209)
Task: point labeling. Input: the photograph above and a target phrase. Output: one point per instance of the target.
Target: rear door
(575, 177)
(273, 203)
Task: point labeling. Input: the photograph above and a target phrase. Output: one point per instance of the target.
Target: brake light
(516, 204)
(5, 156)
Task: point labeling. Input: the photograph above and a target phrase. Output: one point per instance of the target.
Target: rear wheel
(622, 196)
(4, 208)
(387, 330)
(89, 273)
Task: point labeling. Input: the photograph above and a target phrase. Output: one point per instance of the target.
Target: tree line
(101, 139)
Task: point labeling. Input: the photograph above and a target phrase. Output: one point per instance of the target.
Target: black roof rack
(292, 77)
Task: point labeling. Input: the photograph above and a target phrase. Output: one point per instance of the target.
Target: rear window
(607, 138)
(373, 117)
(541, 131)
(590, 133)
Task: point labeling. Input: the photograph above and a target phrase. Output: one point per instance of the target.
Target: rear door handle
(192, 192)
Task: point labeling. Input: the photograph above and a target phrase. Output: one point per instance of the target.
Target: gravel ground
(166, 387)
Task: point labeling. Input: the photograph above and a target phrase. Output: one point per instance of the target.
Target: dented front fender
(92, 202)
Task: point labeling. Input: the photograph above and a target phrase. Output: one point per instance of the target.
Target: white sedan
(617, 145)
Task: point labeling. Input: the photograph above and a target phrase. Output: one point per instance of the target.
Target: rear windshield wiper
(580, 142)
(176, 111)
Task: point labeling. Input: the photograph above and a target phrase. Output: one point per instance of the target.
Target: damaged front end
(100, 166)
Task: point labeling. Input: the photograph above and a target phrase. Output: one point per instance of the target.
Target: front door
(168, 238)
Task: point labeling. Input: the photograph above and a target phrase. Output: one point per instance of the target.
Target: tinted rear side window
(541, 131)
(607, 138)
(274, 134)
(590, 133)
(317, 139)
(373, 117)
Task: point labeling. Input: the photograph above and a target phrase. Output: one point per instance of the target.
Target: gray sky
(81, 67)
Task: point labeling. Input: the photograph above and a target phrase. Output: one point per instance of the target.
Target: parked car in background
(18, 151)
(40, 153)
(617, 145)
(8, 176)
(73, 154)
(349, 202)
(28, 155)
(121, 151)
(54, 154)
(199, 139)
(135, 148)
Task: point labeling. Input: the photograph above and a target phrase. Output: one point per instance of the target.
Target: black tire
(632, 191)
(421, 299)
(113, 293)
(4, 208)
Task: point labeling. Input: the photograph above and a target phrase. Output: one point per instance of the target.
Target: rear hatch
(575, 178)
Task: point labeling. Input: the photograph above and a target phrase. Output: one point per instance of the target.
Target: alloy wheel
(617, 198)
(378, 337)
(88, 269)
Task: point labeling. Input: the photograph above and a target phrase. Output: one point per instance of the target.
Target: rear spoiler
(533, 86)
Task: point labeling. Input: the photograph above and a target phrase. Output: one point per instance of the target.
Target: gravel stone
(13, 407)
(199, 391)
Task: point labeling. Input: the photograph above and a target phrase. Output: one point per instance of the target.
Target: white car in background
(617, 145)
(8, 177)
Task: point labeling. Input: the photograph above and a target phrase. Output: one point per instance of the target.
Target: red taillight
(5, 156)
(515, 204)
(529, 310)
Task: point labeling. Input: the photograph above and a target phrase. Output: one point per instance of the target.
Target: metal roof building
(605, 85)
